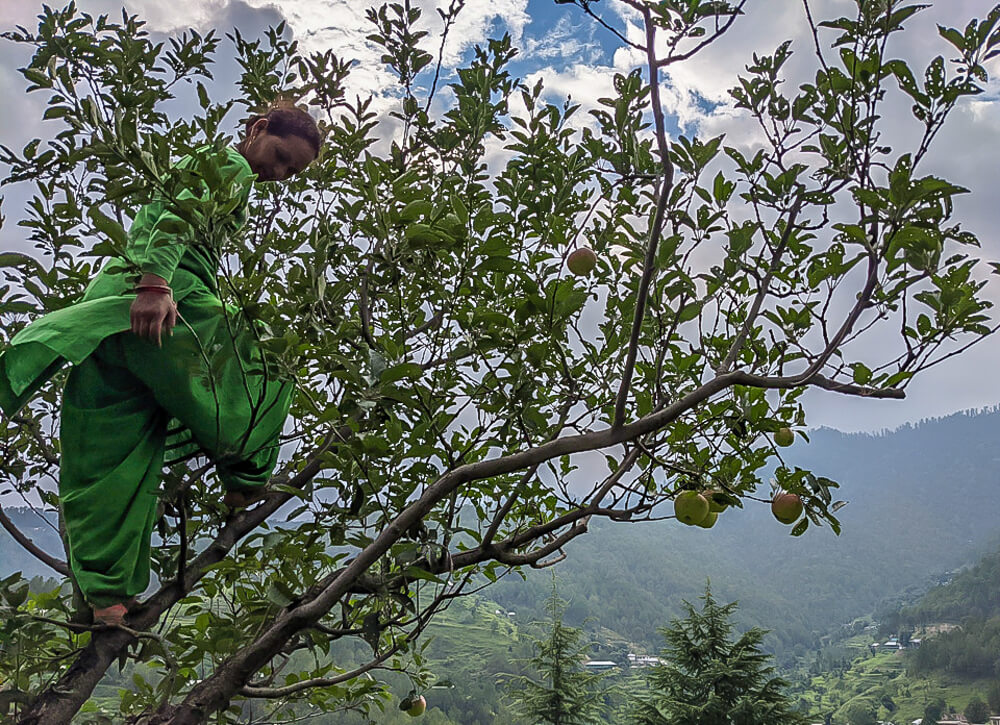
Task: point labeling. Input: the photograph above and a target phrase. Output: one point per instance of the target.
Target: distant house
(635, 660)
(599, 665)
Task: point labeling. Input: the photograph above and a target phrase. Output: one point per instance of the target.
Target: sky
(577, 59)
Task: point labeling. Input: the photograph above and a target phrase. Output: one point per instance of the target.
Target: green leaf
(16, 259)
(279, 593)
(862, 374)
(415, 572)
(410, 371)
(108, 226)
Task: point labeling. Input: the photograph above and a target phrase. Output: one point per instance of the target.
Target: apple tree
(466, 404)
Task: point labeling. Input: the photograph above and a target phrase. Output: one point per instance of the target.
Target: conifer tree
(976, 711)
(710, 679)
(562, 693)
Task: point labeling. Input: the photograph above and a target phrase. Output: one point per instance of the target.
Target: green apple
(417, 706)
(582, 261)
(786, 507)
(709, 520)
(690, 507)
(784, 437)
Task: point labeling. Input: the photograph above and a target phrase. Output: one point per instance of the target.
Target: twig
(30, 546)
(707, 41)
(49, 454)
(765, 285)
(603, 23)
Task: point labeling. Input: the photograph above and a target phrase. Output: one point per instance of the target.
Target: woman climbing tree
(152, 342)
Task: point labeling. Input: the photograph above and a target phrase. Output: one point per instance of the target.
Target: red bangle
(161, 289)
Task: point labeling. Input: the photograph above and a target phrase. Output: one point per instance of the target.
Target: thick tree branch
(819, 381)
(531, 558)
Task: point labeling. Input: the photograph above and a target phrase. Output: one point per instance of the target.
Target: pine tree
(976, 711)
(709, 679)
(563, 693)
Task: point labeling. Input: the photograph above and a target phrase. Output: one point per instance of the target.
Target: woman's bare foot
(110, 616)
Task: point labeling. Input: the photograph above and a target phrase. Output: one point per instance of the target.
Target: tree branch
(59, 566)
(707, 41)
(663, 187)
(62, 699)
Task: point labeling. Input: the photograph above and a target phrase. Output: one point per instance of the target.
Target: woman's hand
(153, 313)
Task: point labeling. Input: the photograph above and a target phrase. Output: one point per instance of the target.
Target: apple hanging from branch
(582, 261)
(786, 507)
(690, 508)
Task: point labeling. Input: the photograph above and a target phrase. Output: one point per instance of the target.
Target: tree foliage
(993, 696)
(862, 713)
(976, 711)
(449, 371)
(711, 679)
(561, 692)
(935, 710)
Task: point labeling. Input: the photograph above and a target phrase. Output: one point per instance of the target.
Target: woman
(152, 348)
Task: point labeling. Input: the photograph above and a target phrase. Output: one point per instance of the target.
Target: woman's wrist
(155, 289)
(154, 284)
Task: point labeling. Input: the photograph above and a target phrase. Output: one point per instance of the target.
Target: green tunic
(123, 393)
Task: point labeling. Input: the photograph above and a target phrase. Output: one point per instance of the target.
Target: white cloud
(567, 42)
(343, 26)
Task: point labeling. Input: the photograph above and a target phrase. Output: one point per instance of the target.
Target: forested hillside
(971, 603)
(972, 593)
(955, 664)
(922, 501)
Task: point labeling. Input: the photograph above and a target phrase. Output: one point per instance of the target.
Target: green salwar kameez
(123, 393)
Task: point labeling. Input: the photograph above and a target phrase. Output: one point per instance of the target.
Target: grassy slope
(872, 677)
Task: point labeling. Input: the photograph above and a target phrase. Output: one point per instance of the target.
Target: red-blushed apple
(417, 706)
(786, 507)
(784, 437)
(582, 261)
(690, 507)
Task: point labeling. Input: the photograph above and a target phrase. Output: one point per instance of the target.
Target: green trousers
(117, 406)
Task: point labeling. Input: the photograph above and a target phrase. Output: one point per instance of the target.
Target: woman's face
(275, 158)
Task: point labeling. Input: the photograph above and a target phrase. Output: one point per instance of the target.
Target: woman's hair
(284, 119)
